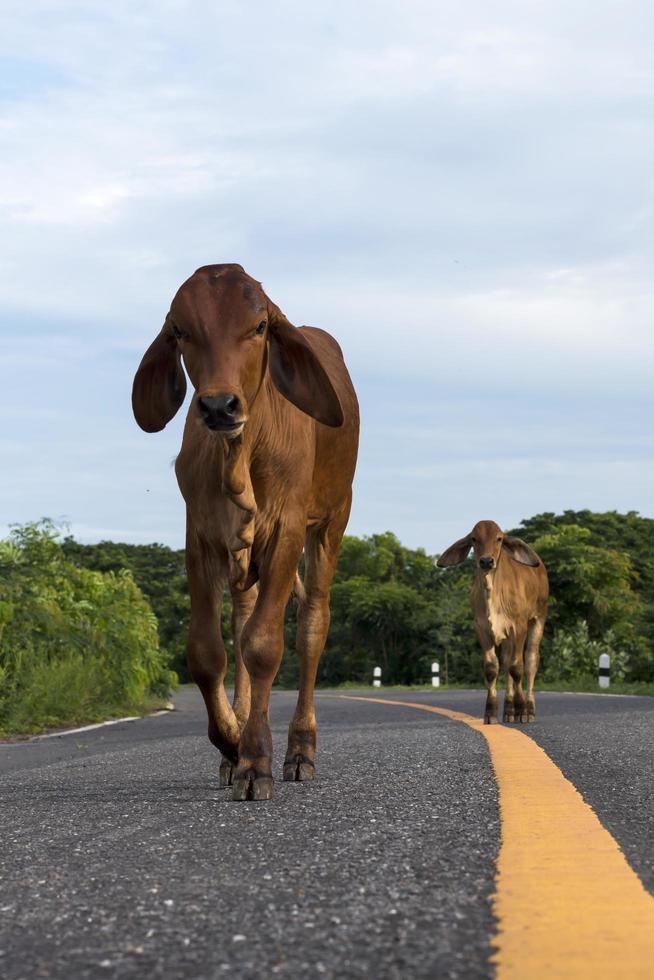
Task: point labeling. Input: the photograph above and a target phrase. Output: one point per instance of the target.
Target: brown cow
(266, 469)
(509, 605)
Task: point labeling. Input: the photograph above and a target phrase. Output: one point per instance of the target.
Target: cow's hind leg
(242, 606)
(513, 650)
(206, 654)
(321, 554)
(532, 656)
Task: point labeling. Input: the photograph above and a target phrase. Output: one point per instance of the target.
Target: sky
(462, 194)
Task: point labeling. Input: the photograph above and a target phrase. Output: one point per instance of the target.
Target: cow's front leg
(491, 670)
(207, 658)
(513, 662)
(262, 644)
(242, 606)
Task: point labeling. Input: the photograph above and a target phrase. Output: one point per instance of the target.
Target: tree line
(392, 607)
(87, 631)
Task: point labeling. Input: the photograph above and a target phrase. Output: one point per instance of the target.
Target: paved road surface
(121, 857)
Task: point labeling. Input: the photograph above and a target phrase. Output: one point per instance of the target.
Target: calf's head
(488, 542)
(226, 332)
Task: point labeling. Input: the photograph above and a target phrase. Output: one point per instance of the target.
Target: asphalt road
(121, 857)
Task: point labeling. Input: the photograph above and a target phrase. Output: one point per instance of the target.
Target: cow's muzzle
(221, 413)
(486, 563)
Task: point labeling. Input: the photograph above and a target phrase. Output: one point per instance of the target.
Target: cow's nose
(486, 562)
(219, 411)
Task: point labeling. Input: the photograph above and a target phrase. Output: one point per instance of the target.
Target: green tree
(74, 644)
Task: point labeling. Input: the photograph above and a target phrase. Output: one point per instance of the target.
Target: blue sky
(461, 194)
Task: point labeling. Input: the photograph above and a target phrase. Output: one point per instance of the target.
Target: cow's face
(219, 319)
(486, 540)
(228, 333)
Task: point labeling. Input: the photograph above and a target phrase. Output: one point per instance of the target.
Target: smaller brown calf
(509, 605)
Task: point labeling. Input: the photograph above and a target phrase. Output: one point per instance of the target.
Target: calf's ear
(160, 383)
(456, 553)
(520, 551)
(298, 374)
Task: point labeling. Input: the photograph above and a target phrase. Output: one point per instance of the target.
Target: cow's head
(227, 333)
(488, 541)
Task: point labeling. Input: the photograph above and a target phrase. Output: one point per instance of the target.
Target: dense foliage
(74, 644)
(601, 570)
(392, 607)
(160, 574)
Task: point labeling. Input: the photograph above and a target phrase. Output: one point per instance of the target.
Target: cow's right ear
(160, 383)
(456, 553)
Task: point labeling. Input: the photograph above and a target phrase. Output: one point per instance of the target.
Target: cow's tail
(298, 589)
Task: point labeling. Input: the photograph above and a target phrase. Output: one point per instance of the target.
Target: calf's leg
(321, 555)
(509, 708)
(491, 670)
(206, 654)
(513, 662)
(262, 643)
(532, 656)
(242, 607)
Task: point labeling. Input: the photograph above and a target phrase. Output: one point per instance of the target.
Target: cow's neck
(490, 584)
(237, 485)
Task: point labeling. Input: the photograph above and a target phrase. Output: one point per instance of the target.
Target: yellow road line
(567, 902)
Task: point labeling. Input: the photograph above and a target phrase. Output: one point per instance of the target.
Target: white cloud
(461, 193)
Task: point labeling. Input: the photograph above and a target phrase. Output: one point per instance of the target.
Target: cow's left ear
(298, 373)
(520, 551)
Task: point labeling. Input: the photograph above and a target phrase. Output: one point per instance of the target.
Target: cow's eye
(178, 333)
(260, 329)
(473, 540)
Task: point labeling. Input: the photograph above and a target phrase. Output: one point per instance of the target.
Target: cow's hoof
(248, 786)
(509, 713)
(226, 774)
(490, 712)
(298, 769)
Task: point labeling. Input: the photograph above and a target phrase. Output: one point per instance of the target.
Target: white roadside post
(604, 670)
(435, 674)
(376, 677)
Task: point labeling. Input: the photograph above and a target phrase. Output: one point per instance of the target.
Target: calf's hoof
(509, 712)
(247, 785)
(226, 774)
(298, 768)
(490, 713)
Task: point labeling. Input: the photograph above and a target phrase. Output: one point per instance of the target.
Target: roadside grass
(587, 685)
(69, 692)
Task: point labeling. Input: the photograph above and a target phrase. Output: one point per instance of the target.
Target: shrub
(75, 645)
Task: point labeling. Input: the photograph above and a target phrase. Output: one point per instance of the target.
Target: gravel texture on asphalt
(121, 857)
(604, 744)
